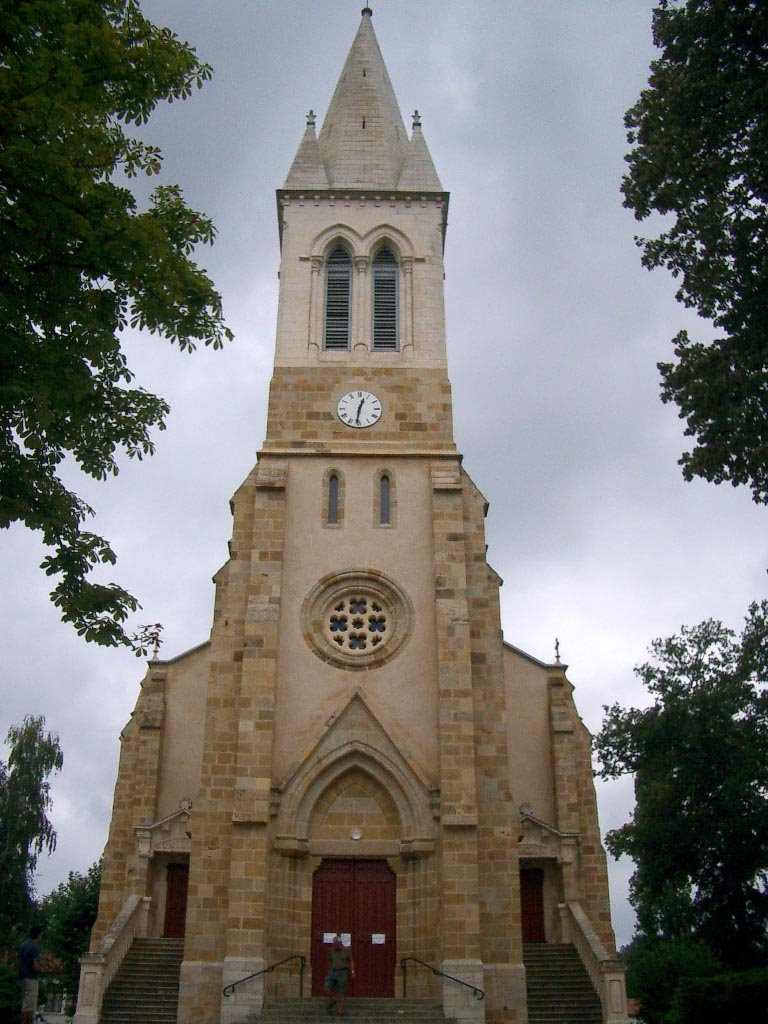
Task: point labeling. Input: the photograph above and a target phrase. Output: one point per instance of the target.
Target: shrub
(733, 998)
(656, 967)
(10, 997)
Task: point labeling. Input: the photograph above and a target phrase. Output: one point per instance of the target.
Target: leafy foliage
(10, 994)
(656, 968)
(724, 999)
(81, 263)
(700, 138)
(25, 829)
(67, 916)
(699, 754)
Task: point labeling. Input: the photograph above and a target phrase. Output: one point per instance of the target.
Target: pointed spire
(418, 172)
(307, 169)
(363, 141)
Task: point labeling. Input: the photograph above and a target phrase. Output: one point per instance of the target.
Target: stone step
(145, 989)
(558, 987)
(359, 1010)
(128, 998)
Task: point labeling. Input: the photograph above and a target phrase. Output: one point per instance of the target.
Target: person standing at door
(340, 970)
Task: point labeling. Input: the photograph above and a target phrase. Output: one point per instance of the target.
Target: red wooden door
(357, 898)
(176, 901)
(532, 904)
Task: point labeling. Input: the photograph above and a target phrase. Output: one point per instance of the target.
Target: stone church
(356, 748)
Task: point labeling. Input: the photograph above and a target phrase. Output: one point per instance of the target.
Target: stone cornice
(287, 196)
(354, 450)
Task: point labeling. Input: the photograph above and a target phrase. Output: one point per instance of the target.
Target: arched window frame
(337, 302)
(385, 299)
(333, 498)
(384, 500)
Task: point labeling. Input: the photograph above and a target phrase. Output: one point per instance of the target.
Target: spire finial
(557, 651)
(416, 119)
(367, 10)
(311, 119)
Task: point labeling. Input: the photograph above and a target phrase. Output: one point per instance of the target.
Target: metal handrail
(228, 990)
(478, 992)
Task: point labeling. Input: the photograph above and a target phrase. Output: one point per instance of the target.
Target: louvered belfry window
(385, 301)
(338, 289)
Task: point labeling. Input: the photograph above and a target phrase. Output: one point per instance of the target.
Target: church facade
(356, 749)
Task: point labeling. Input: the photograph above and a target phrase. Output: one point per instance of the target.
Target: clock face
(359, 409)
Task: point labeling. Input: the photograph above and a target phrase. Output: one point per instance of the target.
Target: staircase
(357, 1011)
(145, 989)
(559, 989)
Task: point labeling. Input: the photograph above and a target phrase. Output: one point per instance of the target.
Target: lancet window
(333, 498)
(385, 512)
(384, 499)
(384, 301)
(338, 294)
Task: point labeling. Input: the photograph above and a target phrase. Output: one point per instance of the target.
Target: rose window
(357, 624)
(357, 618)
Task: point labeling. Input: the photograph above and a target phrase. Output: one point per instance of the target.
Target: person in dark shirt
(28, 971)
(340, 970)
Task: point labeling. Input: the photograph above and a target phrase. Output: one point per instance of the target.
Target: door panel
(356, 897)
(176, 901)
(532, 904)
(374, 937)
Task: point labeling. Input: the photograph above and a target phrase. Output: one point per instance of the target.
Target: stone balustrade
(606, 973)
(97, 969)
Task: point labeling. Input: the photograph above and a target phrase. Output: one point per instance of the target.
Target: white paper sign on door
(378, 939)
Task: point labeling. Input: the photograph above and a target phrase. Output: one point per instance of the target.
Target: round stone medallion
(357, 619)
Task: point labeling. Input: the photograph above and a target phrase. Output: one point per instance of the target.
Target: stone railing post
(91, 989)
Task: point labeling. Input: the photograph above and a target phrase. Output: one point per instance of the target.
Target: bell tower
(349, 672)
(356, 749)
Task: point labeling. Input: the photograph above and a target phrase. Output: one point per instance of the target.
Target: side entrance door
(532, 904)
(355, 898)
(176, 901)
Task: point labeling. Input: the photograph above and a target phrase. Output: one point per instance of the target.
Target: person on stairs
(340, 970)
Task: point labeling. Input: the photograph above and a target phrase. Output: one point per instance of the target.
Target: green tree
(67, 915)
(657, 966)
(700, 157)
(81, 263)
(25, 829)
(699, 754)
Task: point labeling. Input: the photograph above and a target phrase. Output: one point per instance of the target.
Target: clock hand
(359, 410)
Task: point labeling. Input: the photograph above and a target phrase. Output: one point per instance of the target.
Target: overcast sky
(554, 332)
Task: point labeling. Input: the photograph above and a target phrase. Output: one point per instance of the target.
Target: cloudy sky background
(554, 332)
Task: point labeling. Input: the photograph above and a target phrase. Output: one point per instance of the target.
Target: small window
(385, 301)
(338, 290)
(333, 500)
(384, 499)
(332, 508)
(384, 502)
